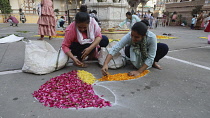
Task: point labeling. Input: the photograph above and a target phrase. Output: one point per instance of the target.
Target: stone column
(109, 1)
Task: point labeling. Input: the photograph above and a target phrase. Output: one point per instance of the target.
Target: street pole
(68, 12)
(76, 6)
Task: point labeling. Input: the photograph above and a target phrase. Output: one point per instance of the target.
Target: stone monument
(109, 12)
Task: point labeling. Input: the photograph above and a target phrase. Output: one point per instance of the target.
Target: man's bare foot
(155, 65)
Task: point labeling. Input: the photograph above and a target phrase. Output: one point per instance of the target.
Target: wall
(110, 14)
(30, 18)
(184, 8)
(59, 4)
(14, 5)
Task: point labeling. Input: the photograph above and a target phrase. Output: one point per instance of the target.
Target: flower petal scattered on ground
(86, 77)
(122, 76)
(165, 37)
(68, 91)
(203, 37)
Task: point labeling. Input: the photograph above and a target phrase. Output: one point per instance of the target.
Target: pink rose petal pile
(68, 91)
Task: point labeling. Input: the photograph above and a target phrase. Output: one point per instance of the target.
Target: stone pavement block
(13, 57)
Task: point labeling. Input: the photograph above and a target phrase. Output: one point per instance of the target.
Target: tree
(5, 7)
(196, 10)
(143, 3)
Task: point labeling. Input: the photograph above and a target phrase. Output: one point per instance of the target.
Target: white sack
(42, 58)
(117, 61)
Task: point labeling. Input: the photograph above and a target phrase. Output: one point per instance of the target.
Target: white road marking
(10, 72)
(188, 48)
(187, 62)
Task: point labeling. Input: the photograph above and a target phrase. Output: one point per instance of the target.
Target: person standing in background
(22, 16)
(193, 22)
(174, 18)
(207, 26)
(151, 18)
(46, 20)
(199, 21)
(138, 14)
(164, 20)
(66, 17)
(206, 21)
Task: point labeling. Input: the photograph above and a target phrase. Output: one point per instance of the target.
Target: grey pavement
(180, 90)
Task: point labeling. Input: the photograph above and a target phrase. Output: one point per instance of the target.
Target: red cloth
(207, 29)
(14, 20)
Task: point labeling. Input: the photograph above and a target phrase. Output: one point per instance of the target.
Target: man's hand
(134, 73)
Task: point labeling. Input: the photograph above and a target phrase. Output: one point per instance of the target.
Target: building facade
(185, 7)
(116, 9)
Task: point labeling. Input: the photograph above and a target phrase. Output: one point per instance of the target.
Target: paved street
(180, 90)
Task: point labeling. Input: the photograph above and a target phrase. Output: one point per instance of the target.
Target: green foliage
(23, 31)
(56, 11)
(197, 10)
(167, 13)
(5, 7)
(179, 19)
(143, 2)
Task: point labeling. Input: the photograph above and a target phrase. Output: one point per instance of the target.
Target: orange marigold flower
(122, 76)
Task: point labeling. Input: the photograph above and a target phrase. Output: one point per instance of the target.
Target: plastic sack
(42, 58)
(116, 62)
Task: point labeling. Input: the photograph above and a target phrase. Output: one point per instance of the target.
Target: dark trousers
(162, 50)
(61, 23)
(192, 26)
(76, 48)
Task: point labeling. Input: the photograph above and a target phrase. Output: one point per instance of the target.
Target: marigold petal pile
(122, 76)
(68, 91)
(86, 77)
(164, 37)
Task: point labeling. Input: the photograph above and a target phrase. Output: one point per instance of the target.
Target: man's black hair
(128, 13)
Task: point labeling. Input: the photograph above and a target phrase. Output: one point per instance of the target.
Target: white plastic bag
(116, 62)
(42, 58)
(10, 39)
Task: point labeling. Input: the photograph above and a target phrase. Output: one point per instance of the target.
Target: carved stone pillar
(109, 1)
(110, 14)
